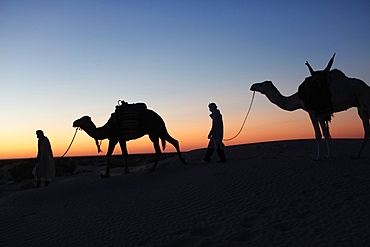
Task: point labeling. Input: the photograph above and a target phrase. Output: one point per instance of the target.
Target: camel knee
(174, 142)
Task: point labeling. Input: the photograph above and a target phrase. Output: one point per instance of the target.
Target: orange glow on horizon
(85, 146)
(261, 127)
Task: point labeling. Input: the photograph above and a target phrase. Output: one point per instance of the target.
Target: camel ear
(328, 67)
(310, 68)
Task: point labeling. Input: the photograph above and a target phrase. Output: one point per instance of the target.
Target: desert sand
(267, 194)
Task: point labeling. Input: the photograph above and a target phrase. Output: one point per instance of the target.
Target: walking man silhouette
(45, 166)
(215, 135)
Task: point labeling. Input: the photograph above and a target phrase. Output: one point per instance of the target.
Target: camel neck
(288, 103)
(97, 133)
(101, 133)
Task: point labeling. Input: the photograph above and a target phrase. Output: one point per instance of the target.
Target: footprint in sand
(349, 176)
(310, 192)
(246, 236)
(353, 197)
(340, 185)
(207, 231)
(181, 232)
(283, 226)
(196, 236)
(250, 221)
(337, 206)
(145, 242)
(217, 174)
(305, 215)
(265, 210)
(296, 203)
(185, 242)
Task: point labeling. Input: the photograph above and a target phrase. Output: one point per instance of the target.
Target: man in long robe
(45, 166)
(215, 135)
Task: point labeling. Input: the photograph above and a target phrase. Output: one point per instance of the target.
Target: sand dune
(267, 194)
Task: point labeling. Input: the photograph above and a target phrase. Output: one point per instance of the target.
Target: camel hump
(127, 116)
(123, 109)
(130, 108)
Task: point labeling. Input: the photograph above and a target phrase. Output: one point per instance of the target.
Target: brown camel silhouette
(150, 123)
(344, 93)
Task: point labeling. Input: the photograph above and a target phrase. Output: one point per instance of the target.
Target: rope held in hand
(245, 119)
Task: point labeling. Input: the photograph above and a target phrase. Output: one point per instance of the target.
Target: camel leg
(157, 149)
(111, 146)
(175, 143)
(123, 146)
(316, 127)
(325, 130)
(365, 123)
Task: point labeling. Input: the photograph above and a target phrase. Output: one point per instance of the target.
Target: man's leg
(221, 154)
(209, 153)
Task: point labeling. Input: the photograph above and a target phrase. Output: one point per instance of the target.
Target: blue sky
(60, 60)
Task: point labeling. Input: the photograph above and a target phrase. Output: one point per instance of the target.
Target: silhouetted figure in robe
(45, 166)
(215, 135)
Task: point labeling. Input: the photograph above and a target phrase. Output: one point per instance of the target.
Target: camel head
(87, 125)
(83, 123)
(262, 87)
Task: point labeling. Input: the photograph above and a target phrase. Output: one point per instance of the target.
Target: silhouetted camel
(344, 93)
(150, 123)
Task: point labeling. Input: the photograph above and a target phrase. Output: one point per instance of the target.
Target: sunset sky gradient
(61, 60)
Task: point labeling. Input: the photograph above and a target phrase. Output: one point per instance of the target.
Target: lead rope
(70, 143)
(245, 119)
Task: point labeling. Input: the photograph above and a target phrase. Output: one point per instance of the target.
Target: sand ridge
(267, 194)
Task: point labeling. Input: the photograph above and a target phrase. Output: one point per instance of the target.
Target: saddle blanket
(127, 116)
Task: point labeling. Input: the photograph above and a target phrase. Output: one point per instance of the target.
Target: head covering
(212, 105)
(39, 132)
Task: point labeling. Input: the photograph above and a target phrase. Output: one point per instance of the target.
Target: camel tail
(163, 143)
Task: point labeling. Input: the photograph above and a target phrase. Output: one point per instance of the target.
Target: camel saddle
(127, 116)
(316, 97)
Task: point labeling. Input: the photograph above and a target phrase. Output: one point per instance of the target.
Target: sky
(61, 60)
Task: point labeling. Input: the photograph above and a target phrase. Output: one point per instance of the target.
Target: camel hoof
(102, 175)
(183, 161)
(319, 159)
